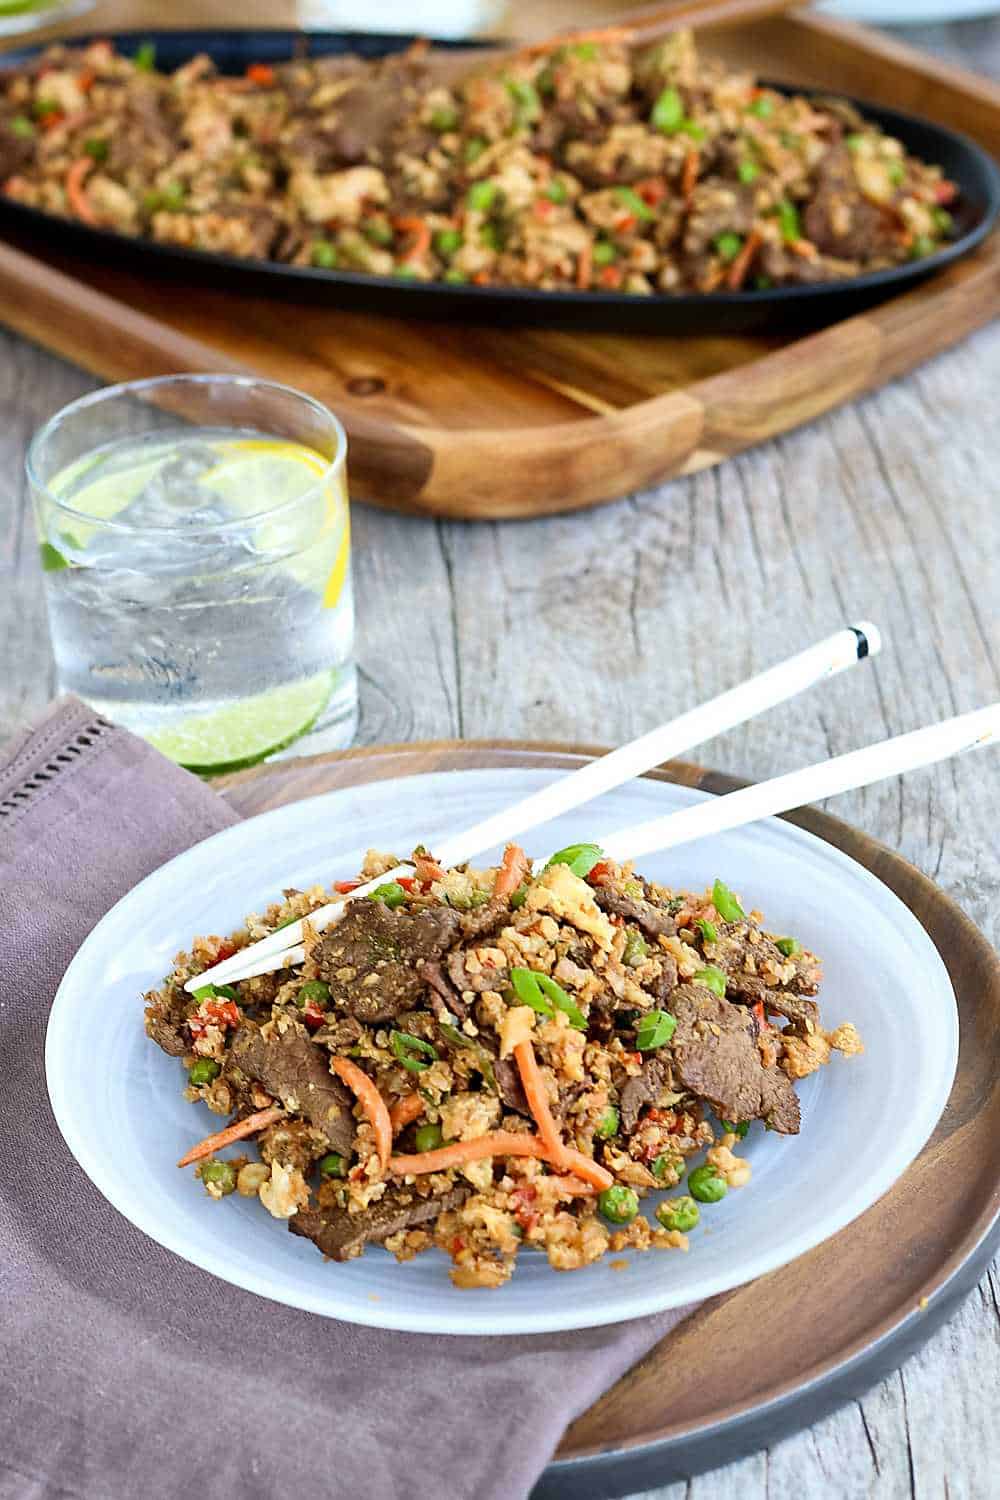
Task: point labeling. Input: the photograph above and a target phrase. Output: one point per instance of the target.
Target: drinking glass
(194, 533)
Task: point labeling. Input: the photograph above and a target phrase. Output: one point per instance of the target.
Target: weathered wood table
(594, 626)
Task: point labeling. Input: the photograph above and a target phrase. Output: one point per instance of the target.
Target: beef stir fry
(587, 166)
(487, 1060)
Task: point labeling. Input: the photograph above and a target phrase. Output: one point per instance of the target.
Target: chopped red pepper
(86, 80)
(313, 1017)
(344, 887)
(50, 120)
(457, 1244)
(652, 190)
(599, 872)
(226, 950)
(428, 870)
(945, 192)
(408, 882)
(214, 1013)
(261, 73)
(625, 223)
(543, 208)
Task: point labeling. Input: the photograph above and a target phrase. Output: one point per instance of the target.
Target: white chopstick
(844, 773)
(845, 648)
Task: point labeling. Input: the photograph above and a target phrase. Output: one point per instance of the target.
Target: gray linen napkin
(126, 1374)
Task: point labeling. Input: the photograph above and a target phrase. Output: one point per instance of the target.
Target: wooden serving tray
(760, 1361)
(492, 422)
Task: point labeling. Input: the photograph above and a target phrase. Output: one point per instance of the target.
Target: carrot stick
(611, 34)
(457, 1153)
(514, 868)
(804, 248)
(585, 267)
(741, 265)
(371, 1102)
(689, 177)
(238, 1132)
(76, 193)
(591, 1171)
(421, 232)
(405, 1111)
(534, 1091)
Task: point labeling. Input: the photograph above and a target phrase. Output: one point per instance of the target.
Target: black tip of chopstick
(862, 643)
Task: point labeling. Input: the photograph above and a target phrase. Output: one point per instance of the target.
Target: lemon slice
(259, 474)
(245, 733)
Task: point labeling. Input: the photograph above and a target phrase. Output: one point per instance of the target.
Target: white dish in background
(118, 1102)
(909, 12)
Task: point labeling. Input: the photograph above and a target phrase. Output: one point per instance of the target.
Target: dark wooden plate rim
(671, 1450)
(963, 156)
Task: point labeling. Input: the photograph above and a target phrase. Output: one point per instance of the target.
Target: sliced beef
(165, 1022)
(485, 921)
(748, 989)
(741, 960)
(443, 998)
(510, 1087)
(642, 1090)
(369, 960)
(717, 207)
(839, 220)
(715, 1055)
(653, 920)
(663, 987)
(464, 979)
(370, 111)
(291, 1068)
(340, 1034)
(342, 1235)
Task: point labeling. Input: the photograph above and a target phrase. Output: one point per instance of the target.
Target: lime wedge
(245, 733)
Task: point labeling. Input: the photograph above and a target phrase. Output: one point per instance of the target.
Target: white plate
(117, 1097)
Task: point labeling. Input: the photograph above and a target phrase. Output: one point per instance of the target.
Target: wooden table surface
(595, 626)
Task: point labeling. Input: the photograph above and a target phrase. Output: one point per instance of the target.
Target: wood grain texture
(593, 627)
(755, 1344)
(580, 417)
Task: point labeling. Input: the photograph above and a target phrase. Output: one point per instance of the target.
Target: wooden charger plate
(765, 1359)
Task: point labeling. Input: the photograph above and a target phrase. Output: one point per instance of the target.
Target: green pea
(607, 1125)
(681, 1214)
(203, 1071)
(728, 245)
(604, 253)
(668, 111)
(943, 220)
(314, 992)
(748, 171)
(788, 946)
(392, 893)
(690, 128)
(726, 904)
(619, 1204)
(174, 196)
(527, 103)
(332, 1165)
(897, 173)
(428, 1137)
(923, 245)
(636, 948)
(557, 191)
(763, 108)
(405, 272)
(23, 127)
(707, 1184)
(324, 255)
(480, 196)
(852, 142)
(489, 237)
(444, 118)
(97, 148)
(454, 275)
(474, 149)
(447, 241)
(585, 51)
(222, 1174)
(663, 1167)
(378, 231)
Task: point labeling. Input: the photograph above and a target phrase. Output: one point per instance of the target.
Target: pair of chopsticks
(842, 773)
